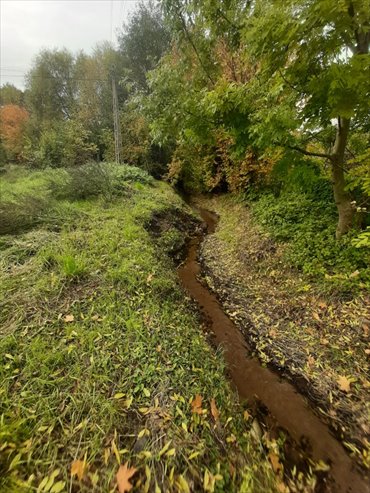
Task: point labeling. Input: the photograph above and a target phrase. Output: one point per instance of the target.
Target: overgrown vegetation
(101, 359)
(315, 337)
(296, 210)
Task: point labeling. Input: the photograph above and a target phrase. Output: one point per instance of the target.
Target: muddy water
(256, 383)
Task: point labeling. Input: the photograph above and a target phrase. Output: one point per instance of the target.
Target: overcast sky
(27, 26)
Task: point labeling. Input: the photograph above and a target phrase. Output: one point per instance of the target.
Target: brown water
(253, 382)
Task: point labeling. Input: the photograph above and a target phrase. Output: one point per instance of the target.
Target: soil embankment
(309, 438)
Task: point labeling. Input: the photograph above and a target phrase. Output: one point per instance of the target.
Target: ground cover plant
(103, 367)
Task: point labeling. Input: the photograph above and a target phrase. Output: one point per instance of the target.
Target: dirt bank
(321, 344)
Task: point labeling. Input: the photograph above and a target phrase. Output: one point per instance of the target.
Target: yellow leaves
(209, 480)
(123, 476)
(50, 485)
(196, 405)
(316, 316)
(214, 411)
(344, 384)
(116, 451)
(164, 449)
(79, 468)
(69, 318)
(119, 395)
(182, 484)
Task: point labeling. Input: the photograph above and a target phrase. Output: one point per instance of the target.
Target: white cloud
(27, 26)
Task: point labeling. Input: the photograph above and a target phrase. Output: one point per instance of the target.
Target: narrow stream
(258, 384)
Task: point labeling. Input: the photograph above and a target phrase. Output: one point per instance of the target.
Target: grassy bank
(102, 357)
(295, 320)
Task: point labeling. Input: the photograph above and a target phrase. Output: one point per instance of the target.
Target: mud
(267, 390)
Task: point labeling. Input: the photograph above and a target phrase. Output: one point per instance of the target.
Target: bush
(62, 145)
(79, 183)
(50, 191)
(307, 226)
(92, 179)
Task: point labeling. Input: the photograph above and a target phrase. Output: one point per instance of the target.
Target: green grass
(101, 356)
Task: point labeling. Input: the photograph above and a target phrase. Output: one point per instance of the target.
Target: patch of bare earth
(319, 342)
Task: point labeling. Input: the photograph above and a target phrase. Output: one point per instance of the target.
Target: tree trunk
(342, 198)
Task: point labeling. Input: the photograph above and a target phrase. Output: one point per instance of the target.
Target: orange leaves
(275, 462)
(123, 476)
(344, 384)
(79, 468)
(12, 121)
(214, 411)
(196, 405)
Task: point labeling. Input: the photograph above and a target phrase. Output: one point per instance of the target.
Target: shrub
(62, 145)
(307, 226)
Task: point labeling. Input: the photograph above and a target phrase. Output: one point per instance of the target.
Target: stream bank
(310, 440)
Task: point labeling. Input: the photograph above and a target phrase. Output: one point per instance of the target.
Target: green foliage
(142, 43)
(362, 240)
(9, 94)
(104, 341)
(64, 144)
(34, 198)
(306, 225)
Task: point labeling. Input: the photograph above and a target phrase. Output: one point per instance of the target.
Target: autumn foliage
(13, 119)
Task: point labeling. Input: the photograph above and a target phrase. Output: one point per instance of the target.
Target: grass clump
(29, 199)
(101, 357)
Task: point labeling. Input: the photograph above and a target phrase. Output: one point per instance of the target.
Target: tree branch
(308, 153)
(187, 34)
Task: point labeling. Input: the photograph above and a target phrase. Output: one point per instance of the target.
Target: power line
(56, 78)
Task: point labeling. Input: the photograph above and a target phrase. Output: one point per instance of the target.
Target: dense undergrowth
(101, 356)
(299, 213)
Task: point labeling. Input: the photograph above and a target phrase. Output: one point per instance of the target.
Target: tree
(51, 86)
(312, 84)
(13, 119)
(142, 43)
(9, 94)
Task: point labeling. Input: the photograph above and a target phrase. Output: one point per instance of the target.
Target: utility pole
(116, 122)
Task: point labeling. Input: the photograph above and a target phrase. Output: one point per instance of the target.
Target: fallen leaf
(69, 318)
(214, 410)
(123, 475)
(272, 333)
(149, 278)
(344, 384)
(310, 361)
(196, 405)
(78, 468)
(246, 415)
(316, 316)
(322, 304)
(119, 395)
(355, 274)
(275, 462)
(324, 341)
(365, 328)
(367, 351)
